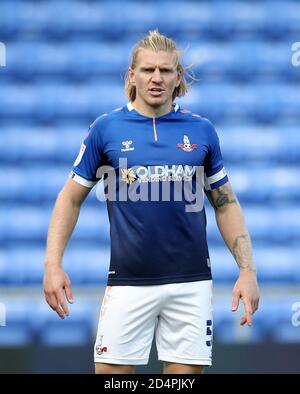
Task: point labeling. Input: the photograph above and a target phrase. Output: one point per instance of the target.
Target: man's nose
(156, 77)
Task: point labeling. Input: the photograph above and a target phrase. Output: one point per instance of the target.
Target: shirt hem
(157, 281)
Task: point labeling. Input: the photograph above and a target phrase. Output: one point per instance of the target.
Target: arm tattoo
(221, 196)
(224, 198)
(242, 252)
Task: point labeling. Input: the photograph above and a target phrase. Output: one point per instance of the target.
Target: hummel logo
(127, 146)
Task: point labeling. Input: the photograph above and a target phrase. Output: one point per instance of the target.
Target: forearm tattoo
(242, 252)
(221, 196)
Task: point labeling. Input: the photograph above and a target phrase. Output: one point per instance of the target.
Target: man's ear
(180, 78)
(131, 76)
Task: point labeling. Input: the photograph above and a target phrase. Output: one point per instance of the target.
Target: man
(159, 279)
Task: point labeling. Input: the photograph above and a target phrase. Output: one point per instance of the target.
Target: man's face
(155, 77)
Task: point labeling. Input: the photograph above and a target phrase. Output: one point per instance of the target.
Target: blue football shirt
(153, 241)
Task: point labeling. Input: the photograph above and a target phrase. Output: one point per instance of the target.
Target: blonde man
(159, 281)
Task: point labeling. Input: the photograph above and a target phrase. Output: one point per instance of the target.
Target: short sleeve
(89, 158)
(215, 173)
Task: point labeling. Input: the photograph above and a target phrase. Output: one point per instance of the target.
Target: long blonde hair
(156, 42)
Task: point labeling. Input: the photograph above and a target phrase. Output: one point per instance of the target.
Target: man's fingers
(60, 312)
(57, 302)
(255, 305)
(249, 312)
(54, 304)
(235, 301)
(69, 294)
(63, 305)
(51, 300)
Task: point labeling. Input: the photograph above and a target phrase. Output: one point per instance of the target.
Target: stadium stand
(60, 76)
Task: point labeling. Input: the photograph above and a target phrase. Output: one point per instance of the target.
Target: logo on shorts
(99, 348)
(187, 146)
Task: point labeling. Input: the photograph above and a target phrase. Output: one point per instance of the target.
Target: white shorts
(180, 315)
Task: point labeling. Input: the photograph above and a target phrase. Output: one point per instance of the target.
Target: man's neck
(150, 111)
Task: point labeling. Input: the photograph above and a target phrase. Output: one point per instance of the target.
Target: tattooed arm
(232, 226)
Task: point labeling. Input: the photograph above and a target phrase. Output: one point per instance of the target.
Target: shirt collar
(131, 108)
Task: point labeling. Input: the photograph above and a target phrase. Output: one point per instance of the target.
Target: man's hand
(246, 288)
(57, 288)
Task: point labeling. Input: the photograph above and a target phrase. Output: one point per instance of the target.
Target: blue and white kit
(153, 242)
(159, 279)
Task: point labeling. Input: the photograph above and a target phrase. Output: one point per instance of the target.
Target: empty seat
(268, 144)
(268, 225)
(275, 264)
(25, 266)
(285, 327)
(17, 331)
(31, 224)
(42, 144)
(76, 329)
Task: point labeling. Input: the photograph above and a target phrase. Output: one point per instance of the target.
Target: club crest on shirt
(187, 146)
(127, 146)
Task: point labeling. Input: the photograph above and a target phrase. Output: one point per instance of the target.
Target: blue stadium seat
(76, 329)
(184, 19)
(24, 224)
(29, 60)
(224, 322)
(17, 102)
(61, 76)
(73, 102)
(88, 266)
(224, 269)
(76, 59)
(22, 267)
(17, 331)
(262, 184)
(276, 265)
(285, 19)
(261, 223)
(87, 59)
(283, 329)
(267, 145)
(19, 188)
(42, 144)
(49, 102)
(25, 266)
(247, 20)
(9, 20)
(31, 224)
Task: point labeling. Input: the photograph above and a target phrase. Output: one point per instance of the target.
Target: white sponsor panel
(2, 314)
(296, 315)
(2, 54)
(296, 56)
